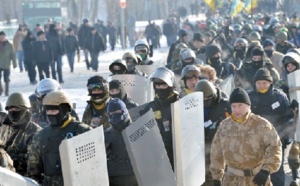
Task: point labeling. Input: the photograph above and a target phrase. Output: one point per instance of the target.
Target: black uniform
(163, 117)
(119, 167)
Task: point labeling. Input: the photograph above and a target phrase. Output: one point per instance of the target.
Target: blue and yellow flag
(211, 4)
(250, 4)
(218, 3)
(236, 7)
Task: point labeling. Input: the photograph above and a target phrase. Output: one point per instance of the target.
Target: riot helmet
(118, 66)
(209, 92)
(17, 106)
(57, 100)
(46, 86)
(142, 49)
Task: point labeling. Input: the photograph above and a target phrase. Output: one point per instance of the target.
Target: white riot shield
(188, 140)
(135, 112)
(83, 159)
(147, 153)
(294, 85)
(9, 178)
(227, 85)
(135, 86)
(147, 69)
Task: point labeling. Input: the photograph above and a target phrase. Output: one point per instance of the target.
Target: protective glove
(294, 105)
(261, 178)
(216, 183)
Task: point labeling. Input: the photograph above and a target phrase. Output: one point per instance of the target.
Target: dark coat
(83, 34)
(94, 43)
(39, 54)
(27, 45)
(71, 44)
(57, 43)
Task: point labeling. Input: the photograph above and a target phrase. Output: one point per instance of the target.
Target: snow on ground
(75, 83)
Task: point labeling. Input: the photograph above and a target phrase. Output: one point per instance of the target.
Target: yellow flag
(237, 7)
(211, 4)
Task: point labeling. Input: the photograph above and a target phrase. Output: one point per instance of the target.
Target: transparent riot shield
(135, 86)
(135, 112)
(294, 88)
(188, 140)
(83, 159)
(227, 85)
(147, 69)
(147, 153)
(9, 178)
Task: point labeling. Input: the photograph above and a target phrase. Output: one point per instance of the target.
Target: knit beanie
(268, 42)
(239, 95)
(116, 84)
(211, 50)
(263, 74)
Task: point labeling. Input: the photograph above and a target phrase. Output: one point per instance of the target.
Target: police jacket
(274, 106)
(163, 117)
(118, 162)
(44, 158)
(217, 112)
(15, 138)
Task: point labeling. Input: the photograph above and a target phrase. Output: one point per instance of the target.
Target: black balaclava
(257, 51)
(59, 119)
(116, 84)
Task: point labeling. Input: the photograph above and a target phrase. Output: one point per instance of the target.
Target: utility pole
(122, 29)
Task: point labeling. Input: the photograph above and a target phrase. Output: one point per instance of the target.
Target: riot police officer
(216, 109)
(120, 170)
(190, 76)
(117, 90)
(43, 88)
(118, 66)
(17, 130)
(142, 48)
(164, 87)
(44, 163)
(95, 111)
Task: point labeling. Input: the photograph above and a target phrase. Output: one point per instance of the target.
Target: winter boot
(295, 176)
(6, 89)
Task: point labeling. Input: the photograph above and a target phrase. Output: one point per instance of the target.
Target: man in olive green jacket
(7, 55)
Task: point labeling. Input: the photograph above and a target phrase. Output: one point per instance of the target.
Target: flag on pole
(211, 4)
(236, 7)
(250, 4)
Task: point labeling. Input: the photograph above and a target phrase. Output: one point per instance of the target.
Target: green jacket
(7, 55)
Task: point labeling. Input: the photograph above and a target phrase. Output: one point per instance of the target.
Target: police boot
(6, 88)
(1, 88)
(295, 176)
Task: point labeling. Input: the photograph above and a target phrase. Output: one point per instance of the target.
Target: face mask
(116, 95)
(163, 93)
(269, 53)
(143, 56)
(239, 53)
(15, 116)
(130, 68)
(119, 121)
(97, 98)
(257, 64)
(189, 63)
(215, 61)
(118, 72)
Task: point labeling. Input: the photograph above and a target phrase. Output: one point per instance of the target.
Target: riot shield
(9, 178)
(147, 153)
(147, 69)
(135, 86)
(294, 88)
(227, 85)
(188, 140)
(83, 159)
(135, 112)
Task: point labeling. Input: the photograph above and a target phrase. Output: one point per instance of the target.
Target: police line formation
(222, 111)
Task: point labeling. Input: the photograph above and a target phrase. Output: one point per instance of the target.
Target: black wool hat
(40, 33)
(263, 74)
(198, 37)
(2, 33)
(257, 51)
(116, 84)
(211, 50)
(239, 95)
